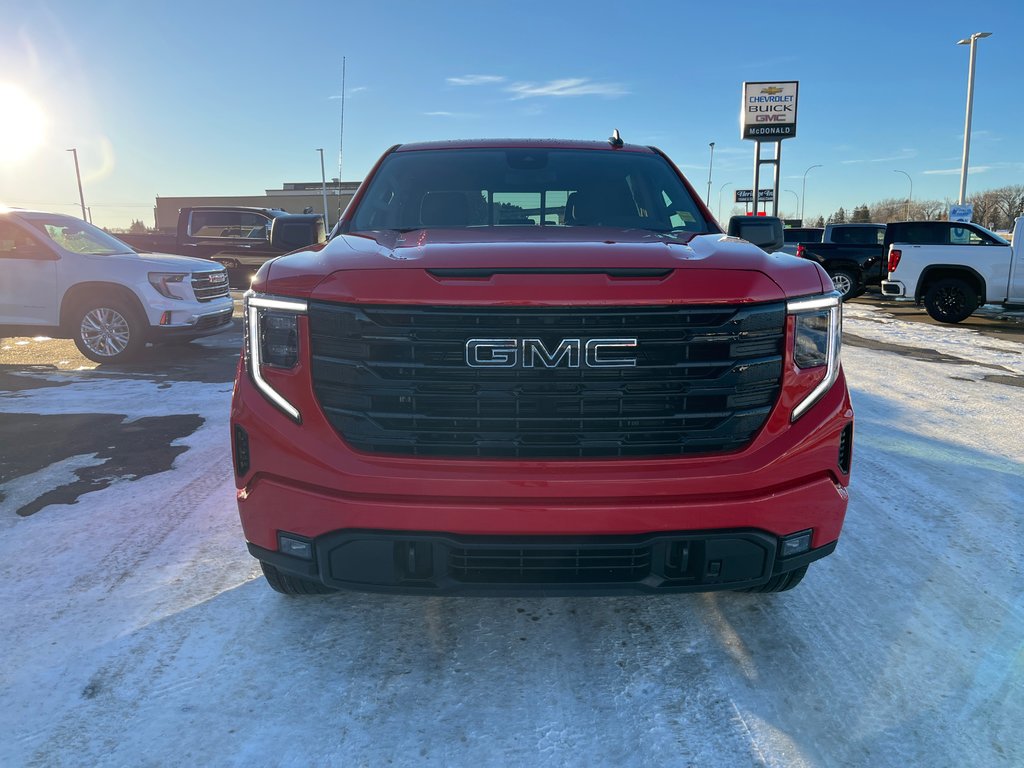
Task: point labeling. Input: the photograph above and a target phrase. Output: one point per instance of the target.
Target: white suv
(69, 279)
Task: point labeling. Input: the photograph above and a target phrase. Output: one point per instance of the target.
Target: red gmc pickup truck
(524, 366)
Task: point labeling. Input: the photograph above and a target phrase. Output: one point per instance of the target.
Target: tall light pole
(323, 182)
(971, 41)
(710, 166)
(78, 175)
(794, 194)
(803, 196)
(911, 195)
(720, 189)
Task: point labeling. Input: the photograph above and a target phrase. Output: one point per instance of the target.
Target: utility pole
(323, 187)
(78, 175)
(711, 165)
(971, 41)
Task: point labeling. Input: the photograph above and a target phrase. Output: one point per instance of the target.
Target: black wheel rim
(950, 301)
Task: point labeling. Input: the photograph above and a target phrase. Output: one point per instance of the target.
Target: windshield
(462, 188)
(78, 236)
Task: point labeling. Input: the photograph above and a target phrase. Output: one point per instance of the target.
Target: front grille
(210, 285)
(213, 321)
(573, 565)
(394, 380)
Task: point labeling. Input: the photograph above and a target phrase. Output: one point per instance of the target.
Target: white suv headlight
(169, 284)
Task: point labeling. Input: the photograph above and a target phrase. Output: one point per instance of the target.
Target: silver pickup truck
(65, 278)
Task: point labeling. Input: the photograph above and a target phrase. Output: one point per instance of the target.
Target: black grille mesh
(394, 380)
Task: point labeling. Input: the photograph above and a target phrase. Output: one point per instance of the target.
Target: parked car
(66, 278)
(538, 366)
(793, 236)
(238, 237)
(852, 254)
(954, 267)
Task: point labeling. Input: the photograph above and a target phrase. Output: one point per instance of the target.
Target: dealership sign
(747, 195)
(769, 111)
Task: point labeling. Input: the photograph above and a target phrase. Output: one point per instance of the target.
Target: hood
(165, 262)
(714, 267)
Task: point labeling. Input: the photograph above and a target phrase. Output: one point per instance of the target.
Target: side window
(18, 244)
(229, 224)
(968, 236)
(924, 233)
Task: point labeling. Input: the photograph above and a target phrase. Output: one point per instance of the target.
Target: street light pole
(323, 182)
(911, 196)
(720, 190)
(971, 41)
(710, 166)
(794, 194)
(803, 196)
(78, 175)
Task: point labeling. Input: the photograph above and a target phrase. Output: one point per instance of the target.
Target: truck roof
(518, 144)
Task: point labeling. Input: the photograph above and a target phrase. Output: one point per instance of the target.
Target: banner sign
(769, 111)
(747, 195)
(961, 212)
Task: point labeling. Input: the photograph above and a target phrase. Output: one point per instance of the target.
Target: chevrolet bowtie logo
(771, 91)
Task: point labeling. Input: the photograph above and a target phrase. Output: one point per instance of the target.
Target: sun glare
(23, 127)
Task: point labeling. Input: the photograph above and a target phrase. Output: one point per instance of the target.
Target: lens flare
(23, 127)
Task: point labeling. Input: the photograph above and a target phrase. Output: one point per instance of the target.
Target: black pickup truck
(853, 255)
(240, 238)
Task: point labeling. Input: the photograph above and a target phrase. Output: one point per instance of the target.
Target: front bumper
(445, 564)
(196, 326)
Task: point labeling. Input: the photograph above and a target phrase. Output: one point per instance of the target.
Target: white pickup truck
(955, 267)
(63, 277)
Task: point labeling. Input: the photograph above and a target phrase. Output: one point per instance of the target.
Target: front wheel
(781, 583)
(950, 300)
(108, 331)
(287, 584)
(845, 283)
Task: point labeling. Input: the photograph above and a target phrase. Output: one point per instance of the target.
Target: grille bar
(210, 285)
(544, 565)
(395, 380)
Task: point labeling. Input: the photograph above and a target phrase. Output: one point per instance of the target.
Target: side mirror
(763, 231)
(288, 235)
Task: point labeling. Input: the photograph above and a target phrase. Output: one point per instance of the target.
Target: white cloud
(956, 171)
(475, 80)
(572, 86)
(444, 113)
(905, 154)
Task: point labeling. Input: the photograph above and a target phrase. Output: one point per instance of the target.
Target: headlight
(168, 284)
(819, 326)
(272, 339)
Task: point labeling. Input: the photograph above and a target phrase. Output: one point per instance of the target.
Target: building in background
(294, 197)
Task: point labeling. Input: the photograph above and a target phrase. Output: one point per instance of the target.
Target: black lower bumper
(205, 326)
(437, 563)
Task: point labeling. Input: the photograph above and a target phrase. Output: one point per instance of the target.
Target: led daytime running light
(253, 304)
(833, 304)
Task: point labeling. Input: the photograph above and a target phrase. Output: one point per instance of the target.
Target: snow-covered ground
(136, 631)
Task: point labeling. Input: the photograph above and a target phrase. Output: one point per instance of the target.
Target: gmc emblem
(532, 353)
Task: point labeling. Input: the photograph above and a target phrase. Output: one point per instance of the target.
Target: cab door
(28, 277)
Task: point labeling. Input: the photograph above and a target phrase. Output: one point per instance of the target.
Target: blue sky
(209, 98)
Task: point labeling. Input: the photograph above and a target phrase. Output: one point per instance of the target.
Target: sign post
(769, 114)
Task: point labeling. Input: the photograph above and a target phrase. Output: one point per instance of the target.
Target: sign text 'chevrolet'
(769, 111)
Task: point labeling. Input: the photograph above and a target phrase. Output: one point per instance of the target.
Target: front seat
(444, 209)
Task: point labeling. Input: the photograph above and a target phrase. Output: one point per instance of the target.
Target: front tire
(845, 283)
(950, 300)
(108, 330)
(287, 584)
(781, 583)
